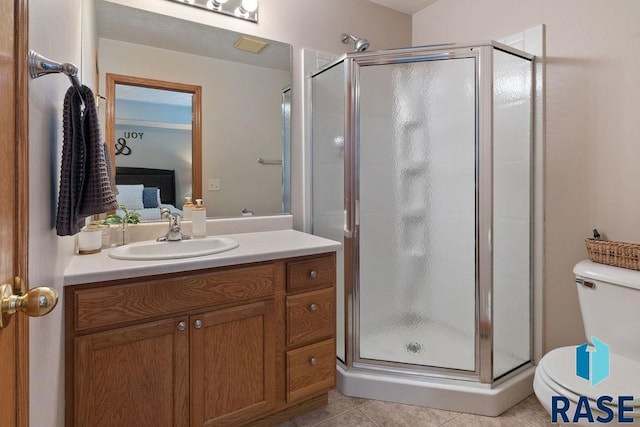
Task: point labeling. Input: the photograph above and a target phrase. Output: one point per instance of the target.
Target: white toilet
(610, 305)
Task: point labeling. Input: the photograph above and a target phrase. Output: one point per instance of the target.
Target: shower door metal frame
(353, 63)
(482, 53)
(483, 343)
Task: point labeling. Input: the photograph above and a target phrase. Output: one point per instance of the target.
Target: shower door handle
(348, 228)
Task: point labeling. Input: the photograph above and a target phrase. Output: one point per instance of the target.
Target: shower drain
(414, 347)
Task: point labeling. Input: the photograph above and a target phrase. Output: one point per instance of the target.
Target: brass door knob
(35, 303)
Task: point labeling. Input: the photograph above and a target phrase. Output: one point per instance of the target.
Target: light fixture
(248, 6)
(243, 9)
(215, 4)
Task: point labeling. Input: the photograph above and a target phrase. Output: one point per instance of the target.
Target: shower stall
(422, 168)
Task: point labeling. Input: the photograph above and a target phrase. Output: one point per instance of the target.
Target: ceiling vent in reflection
(249, 44)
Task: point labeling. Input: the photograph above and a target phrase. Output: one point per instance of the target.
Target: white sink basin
(173, 250)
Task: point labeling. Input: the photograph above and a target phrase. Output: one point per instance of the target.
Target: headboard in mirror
(242, 100)
(162, 179)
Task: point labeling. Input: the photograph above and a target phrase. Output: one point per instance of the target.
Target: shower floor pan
(426, 342)
(429, 343)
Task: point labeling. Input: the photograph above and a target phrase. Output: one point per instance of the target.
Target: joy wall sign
(122, 147)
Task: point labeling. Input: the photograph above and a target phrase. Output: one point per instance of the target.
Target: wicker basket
(619, 254)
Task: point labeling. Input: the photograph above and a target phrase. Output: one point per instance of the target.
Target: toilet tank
(610, 305)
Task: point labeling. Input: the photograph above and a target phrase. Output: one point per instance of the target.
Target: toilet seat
(557, 371)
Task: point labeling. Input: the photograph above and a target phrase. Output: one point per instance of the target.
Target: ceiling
(407, 6)
(132, 25)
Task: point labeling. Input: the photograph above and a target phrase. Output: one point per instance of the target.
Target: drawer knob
(313, 274)
(197, 324)
(182, 326)
(313, 361)
(313, 307)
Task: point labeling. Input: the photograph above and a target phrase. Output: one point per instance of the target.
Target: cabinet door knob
(182, 326)
(313, 274)
(313, 307)
(197, 324)
(313, 361)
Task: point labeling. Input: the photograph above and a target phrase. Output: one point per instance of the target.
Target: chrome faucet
(174, 234)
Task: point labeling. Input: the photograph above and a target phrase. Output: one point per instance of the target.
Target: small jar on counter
(89, 240)
(106, 232)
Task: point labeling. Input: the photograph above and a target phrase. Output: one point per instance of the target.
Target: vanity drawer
(115, 304)
(311, 316)
(311, 273)
(311, 370)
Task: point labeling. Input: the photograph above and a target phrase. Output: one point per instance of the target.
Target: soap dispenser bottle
(199, 220)
(187, 208)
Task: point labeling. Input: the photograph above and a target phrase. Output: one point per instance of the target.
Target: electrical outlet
(214, 184)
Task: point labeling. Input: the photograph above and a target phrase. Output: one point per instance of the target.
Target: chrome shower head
(360, 44)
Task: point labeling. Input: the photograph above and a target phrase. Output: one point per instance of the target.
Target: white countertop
(254, 247)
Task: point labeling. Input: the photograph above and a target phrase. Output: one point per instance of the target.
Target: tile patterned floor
(343, 411)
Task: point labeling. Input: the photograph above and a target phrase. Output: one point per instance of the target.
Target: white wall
(592, 105)
(235, 132)
(89, 45)
(316, 25)
(310, 24)
(48, 254)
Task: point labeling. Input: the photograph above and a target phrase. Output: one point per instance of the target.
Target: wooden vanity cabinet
(311, 327)
(228, 346)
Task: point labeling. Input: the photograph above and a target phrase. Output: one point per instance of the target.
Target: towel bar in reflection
(269, 162)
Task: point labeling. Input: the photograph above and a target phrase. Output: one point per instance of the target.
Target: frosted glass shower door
(512, 212)
(328, 174)
(417, 213)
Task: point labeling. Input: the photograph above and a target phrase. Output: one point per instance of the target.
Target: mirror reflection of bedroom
(154, 139)
(244, 102)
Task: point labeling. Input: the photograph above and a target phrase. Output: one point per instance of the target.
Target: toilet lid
(559, 365)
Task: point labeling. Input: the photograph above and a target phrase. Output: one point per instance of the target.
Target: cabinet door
(136, 375)
(233, 364)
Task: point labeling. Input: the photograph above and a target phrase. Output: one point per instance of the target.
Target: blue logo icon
(592, 363)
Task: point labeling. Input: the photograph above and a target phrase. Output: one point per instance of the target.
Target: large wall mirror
(245, 106)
